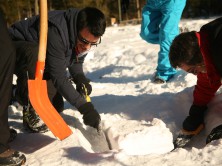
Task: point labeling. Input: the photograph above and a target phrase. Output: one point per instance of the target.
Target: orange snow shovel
(37, 88)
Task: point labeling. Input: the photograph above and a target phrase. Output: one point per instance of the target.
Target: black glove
(195, 118)
(90, 116)
(80, 80)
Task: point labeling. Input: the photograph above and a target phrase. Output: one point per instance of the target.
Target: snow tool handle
(85, 95)
(40, 65)
(39, 70)
(43, 31)
(195, 132)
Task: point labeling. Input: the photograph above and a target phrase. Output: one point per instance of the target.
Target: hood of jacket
(71, 17)
(214, 31)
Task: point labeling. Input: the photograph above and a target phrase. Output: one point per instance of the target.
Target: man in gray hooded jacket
(71, 34)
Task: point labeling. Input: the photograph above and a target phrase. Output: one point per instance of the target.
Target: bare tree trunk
(19, 14)
(29, 14)
(36, 7)
(120, 12)
(138, 9)
(65, 4)
(49, 5)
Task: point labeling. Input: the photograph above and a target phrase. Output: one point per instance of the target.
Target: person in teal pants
(160, 19)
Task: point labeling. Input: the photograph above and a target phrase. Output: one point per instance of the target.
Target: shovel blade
(39, 99)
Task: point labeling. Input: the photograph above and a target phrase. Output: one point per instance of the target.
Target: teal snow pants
(160, 19)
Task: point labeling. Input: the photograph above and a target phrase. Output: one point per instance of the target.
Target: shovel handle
(88, 99)
(86, 95)
(40, 65)
(43, 30)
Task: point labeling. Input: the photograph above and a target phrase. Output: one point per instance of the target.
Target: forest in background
(120, 10)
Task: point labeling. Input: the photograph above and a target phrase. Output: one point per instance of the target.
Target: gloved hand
(90, 116)
(195, 118)
(80, 80)
(192, 125)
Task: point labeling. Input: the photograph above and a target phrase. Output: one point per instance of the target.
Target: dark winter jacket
(210, 41)
(60, 54)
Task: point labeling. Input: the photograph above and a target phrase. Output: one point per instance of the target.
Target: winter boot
(215, 134)
(13, 134)
(32, 122)
(13, 99)
(158, 80)
(12, 158)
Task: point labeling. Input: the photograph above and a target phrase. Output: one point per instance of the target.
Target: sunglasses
(84, 41)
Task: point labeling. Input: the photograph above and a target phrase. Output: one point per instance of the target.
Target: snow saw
(88, 99)
(185, 137)
(101, 137)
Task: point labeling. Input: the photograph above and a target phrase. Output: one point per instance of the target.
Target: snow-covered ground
(140, 118)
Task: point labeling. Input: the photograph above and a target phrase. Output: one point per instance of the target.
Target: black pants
(26, 58)
(19, 58)
(7, 64)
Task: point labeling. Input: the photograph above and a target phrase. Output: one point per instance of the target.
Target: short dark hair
(93, 19)
(185, 49)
